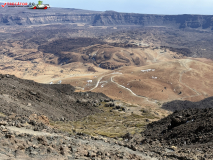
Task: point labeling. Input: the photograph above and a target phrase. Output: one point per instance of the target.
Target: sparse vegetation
(132, 106)
(148, 114)
(91, 69)
(2, 114)
(158, 103)
(109, 124)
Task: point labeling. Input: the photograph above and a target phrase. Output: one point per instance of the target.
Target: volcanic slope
(37, 121)
(184, 134)
(170, 129)
(54, 101)
(178, 105)
(74, 112)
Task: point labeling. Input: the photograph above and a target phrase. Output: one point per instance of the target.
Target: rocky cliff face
(177, 21)
(24, 16)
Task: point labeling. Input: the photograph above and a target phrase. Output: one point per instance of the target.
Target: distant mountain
(24, 16)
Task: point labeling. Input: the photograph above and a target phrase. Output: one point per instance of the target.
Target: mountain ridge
(18, 16)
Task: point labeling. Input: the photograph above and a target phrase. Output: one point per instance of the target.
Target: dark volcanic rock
(110, 65)
(180, 105)
(183, 51)
(191, 126)
(57, 48)
(185, 134)
(54, 101)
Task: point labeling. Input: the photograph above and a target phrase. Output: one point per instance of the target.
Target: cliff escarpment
(24, 16)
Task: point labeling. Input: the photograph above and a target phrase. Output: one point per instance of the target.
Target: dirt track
(147, 99)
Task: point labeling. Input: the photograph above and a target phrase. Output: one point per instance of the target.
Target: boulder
(117, 107)
(111, 104)
(4, 123)
(106, 100)
(107, 105)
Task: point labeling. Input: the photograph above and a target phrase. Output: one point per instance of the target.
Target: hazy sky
(137, 6)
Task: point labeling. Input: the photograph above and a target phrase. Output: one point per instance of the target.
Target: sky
(204, 7)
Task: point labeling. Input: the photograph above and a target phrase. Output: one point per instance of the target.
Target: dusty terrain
(172, 76)
(185, 134)
(165, 81)
(104, 83)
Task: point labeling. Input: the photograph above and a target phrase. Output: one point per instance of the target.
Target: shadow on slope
(180, 105)
(57, 101)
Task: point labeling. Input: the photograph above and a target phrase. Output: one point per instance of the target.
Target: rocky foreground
(31, 137)
(184, 135)
(25, 131)
(27, 110)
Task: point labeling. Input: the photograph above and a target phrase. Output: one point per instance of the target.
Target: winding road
(130, 90)
(117, 73)
(101, 79)
(182, 63)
